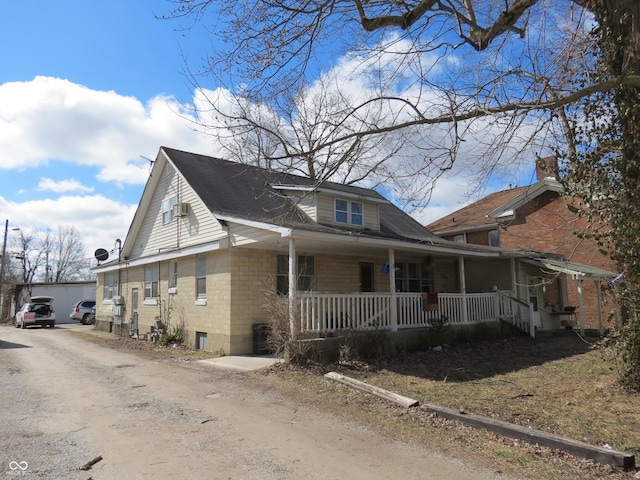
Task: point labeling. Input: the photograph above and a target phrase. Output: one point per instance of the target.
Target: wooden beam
(379, 392)
(602, 455)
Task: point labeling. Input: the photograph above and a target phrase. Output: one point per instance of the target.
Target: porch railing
(330, 312)
(515, 311)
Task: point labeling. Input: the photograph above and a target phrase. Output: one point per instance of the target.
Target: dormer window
(348, 212)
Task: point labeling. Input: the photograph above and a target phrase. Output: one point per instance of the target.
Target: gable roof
(486, 212)
(476, 214)
(240, 191)
(253, 196)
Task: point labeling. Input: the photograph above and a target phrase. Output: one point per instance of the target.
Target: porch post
(580, 309)
(393, 308)
(292, 286)
(599, 297)
(463, 290)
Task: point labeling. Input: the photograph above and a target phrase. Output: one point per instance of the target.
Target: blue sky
(87, 89)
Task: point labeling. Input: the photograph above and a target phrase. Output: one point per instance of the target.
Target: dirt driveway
(66, 401)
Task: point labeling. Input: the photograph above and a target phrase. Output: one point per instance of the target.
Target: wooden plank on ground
(602, 455)
(380, 392)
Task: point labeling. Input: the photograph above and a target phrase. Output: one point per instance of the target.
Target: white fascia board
(396, 244)
(283, 231)
(163, 256)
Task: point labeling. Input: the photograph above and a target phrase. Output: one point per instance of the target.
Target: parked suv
(82, 311)
(39, 311)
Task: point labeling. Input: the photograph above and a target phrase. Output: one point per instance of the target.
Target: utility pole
(2, 266)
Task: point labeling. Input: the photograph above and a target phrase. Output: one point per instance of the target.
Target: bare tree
(48, 257)
(437, 81)
(26, 250)
(68, 261)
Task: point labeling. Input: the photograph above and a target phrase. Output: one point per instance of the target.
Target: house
(537, 218)
(212, 242)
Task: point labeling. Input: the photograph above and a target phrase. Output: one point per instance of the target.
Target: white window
(151, 278)
(110, 287)
(306, 273)
(173, 275)
(348, 212)
(201, 277)
(413, 277)
(167, 209)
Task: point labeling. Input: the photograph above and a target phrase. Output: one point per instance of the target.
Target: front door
(134, 311)
(535, 297)
(366, 277)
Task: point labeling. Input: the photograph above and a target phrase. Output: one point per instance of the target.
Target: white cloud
(70, 185)
(97, 219)
(51, 118)
(50, 121)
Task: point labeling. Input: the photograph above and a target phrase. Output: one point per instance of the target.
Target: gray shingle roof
(247, 192)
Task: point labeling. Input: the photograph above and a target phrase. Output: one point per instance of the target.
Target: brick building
(534, 218)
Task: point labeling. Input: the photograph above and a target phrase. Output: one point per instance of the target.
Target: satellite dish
(101, 254)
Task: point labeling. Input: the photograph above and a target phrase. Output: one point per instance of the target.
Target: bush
(628, 356)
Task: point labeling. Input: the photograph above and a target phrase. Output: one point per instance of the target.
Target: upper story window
(494, 238)
(167, 209)
(348, 212)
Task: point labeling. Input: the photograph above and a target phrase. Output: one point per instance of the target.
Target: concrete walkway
(243, 363)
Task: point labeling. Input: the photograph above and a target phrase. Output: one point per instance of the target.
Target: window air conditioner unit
(118, 300)
(181, 209)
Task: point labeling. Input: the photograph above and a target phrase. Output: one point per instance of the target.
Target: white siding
(197, 227)
(326, 211)
(307, 203)
(244, 235)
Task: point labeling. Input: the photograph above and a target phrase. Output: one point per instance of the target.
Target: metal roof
(576, 270)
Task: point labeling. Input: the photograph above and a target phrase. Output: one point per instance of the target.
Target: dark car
(82, 311)
(38, 311)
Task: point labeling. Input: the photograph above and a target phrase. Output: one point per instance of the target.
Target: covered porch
(425, 285)
(324, 313)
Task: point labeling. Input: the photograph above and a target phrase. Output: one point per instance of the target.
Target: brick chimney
(546, 167)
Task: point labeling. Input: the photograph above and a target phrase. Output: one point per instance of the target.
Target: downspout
(292, 286)
(393, 308)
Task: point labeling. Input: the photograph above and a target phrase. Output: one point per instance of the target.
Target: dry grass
(563, 385)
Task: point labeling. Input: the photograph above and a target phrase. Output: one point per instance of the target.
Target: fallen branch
(88, 465)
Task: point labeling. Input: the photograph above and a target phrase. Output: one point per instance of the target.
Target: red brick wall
(545, 224)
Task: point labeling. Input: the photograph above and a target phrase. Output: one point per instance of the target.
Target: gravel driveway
(67, 402)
